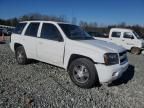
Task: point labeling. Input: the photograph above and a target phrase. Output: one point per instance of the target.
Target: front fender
(95, 56)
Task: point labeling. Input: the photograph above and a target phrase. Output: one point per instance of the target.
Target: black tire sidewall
(21, 50)
(93, 77)
(135, 50)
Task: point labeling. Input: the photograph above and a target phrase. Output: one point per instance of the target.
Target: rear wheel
(83, 73)
(135, 50)
(21, 55)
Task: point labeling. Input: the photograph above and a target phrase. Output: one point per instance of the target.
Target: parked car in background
(87, 60)
(98, 34)
(1, 31)
(7, 31)
(127, 38)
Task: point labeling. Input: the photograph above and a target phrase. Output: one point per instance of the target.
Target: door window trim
(126, 37)
(41, 26)
(115, 36)
(24, 32)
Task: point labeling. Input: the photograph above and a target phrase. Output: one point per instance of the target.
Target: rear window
(116, 34)
(19, 28)
(32, 29)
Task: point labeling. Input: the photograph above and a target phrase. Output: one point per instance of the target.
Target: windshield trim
(136, 35)
(68, 32)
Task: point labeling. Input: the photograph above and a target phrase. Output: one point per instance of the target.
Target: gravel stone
(40, 85)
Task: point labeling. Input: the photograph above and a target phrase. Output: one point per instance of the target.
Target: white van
(127, 38)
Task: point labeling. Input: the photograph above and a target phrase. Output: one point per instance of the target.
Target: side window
(116, 34)
(19, 28)
(128, 35)
(32, 29)
(49, 31)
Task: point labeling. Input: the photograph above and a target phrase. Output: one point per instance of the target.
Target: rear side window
(19, 28)
(32, 29)
(50, 31)
(116, 34)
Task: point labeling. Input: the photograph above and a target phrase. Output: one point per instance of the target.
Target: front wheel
(83, 73)
(135, 50)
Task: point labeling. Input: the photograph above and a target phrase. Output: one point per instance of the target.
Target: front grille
(123, 57)
(122, 53)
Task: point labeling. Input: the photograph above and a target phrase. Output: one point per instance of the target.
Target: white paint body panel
(50, 51)
(105, 73)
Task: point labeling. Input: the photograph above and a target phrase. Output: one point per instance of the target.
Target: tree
(74, 21)
(122, 24)
(14, 21)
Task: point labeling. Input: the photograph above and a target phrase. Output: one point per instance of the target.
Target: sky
(100, 11)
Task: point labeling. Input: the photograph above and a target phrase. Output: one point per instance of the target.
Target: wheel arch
(76, 56)
(136, 48)
(16, 45)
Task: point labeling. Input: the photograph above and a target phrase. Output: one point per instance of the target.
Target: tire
(83, 73)
(135, 50)
(21, 55)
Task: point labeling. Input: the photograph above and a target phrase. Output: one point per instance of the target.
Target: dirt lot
(40, 85)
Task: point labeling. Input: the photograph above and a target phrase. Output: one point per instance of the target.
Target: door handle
(122, 40)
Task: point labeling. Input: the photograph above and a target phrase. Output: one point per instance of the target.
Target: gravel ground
(39, 85)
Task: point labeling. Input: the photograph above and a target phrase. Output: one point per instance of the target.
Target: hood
(103, 45)
(142, 40)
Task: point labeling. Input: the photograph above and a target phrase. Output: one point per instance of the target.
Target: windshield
(138, 37)
(75, 32)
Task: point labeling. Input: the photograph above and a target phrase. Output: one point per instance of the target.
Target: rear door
(30, 39)
(116, 37)
(17, 35)
(50, 46)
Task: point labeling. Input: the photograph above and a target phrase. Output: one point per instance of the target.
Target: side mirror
(60, 39)
(132, 37)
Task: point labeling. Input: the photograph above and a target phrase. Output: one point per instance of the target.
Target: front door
(50, 46)
(128, 40)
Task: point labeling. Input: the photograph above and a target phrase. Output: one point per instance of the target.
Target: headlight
(111, 58)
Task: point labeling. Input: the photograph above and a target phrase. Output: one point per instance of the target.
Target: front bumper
(110, 73)
(11, 46)
(143, 52)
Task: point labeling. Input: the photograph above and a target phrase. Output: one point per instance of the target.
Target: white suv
(87, 60)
